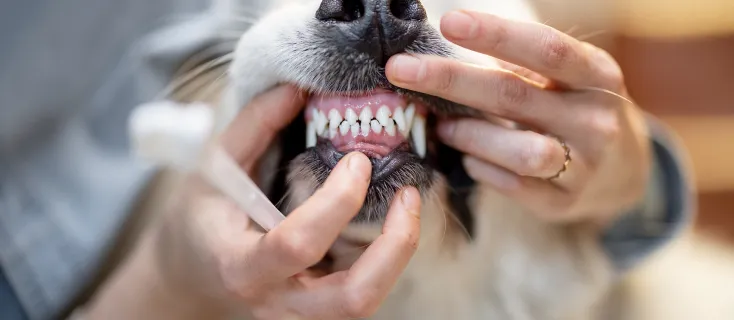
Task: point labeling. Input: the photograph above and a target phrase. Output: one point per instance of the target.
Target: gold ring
(567, 152)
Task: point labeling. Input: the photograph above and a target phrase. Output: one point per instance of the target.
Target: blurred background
(678, 59)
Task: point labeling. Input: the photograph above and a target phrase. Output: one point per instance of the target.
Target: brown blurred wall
(678, 59)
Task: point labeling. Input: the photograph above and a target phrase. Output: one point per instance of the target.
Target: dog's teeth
(351, 116)
(418, 132)
(390, 128)
(383, 115)
(334, 119)
(399, 118)
(311, 134)
(321, 123)
(376, 126)
(344, 128)
(365, 126)
(366, 115)
(409, 114)
(355, 130)
(332, 133)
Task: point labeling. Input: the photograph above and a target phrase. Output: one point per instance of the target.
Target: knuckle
(538, 157)
(360, 302)
(555, 53)
(607, 126)
(513, 93)
(299, 249)
(445, 77)
(407, 241)
(468, 135)
(494, 35)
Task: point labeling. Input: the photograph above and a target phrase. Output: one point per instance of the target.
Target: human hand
(557, 86)
(208, 247)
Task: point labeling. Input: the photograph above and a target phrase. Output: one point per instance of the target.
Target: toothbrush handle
(224, 174)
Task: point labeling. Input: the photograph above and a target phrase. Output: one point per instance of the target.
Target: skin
(205, 259)
(544, 84)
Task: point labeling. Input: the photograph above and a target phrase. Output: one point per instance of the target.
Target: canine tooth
(409, 114)
(418, 132)
(311, 134)
(376, 126)
(351, 116)
(365, 126)
(332, 133)
(383, 115)
(390, 128)
(399, 118)
(344, 128)
(321, 123)
(355, 130)
(334, 119)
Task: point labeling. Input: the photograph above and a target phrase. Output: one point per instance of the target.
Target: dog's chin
(390, 129)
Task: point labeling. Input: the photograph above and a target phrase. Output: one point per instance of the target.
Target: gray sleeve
(667, 209)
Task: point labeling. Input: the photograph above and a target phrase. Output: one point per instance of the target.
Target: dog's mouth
(387, 127)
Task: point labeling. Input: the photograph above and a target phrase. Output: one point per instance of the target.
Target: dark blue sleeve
(10, 307)
(668, 207)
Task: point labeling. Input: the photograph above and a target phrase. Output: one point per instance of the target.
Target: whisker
(194, 73)
(585, 37)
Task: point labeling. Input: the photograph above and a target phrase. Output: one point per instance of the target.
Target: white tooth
(332, 133)
(419, 135)
(376, 126)
(409, 114)
(321, 123)
(314, 115)
(351, 116)
(399, 118)
(355, 130)
(390, 128)
(383, 115)
(311, 134)
(366, 115)
(365, 126)
(334, 119)
(344, 128)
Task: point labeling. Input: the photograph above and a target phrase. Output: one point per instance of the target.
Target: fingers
(543, 198)
(535, 46)
(304, 237)
(358, 292)
(497, 92)
(525, 153)
(252, 131)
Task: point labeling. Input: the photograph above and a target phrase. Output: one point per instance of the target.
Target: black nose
(378, 28)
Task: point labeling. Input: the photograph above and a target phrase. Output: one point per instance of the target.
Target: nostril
(340, 10)
(407, 9)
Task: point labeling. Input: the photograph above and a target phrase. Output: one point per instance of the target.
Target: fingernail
(360, 165)
(405, 68)
(446, 129)
(459, 25)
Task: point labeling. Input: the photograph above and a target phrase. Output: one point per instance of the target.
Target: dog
(481, 255)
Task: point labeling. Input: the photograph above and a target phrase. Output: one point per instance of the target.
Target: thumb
(251, 132)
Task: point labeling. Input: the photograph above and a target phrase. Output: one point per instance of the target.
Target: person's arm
(138, 291)
(667, 209)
